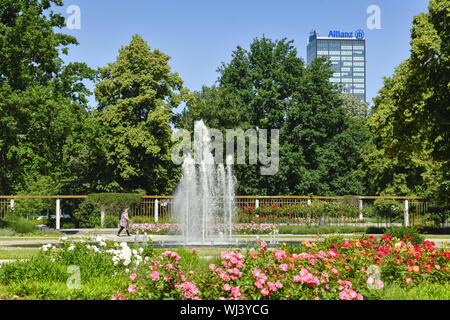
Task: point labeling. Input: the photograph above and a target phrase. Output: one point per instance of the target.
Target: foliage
(101, 266)
(295, 229)
(300, 213)
(111, 222)
(269, 87)
(87, 215)
(354, 107)
(3, 223)
(83, 214)
(344, 269)
(405, 234)
(356, 269)
(114, 203)
(42, 100)
(388, 208)
(410, 116)
(437, 215)
(136, 94)
(41, 186)
(20, 225)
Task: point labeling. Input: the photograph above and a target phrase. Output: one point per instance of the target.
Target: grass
(423, 291)
(7, 232)
(437, 236)
(12, 254)
(101, 288)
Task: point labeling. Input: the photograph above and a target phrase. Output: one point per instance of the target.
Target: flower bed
(345, 270)
(331, 268)
(300, 213)
(156, 228)
(240, 228)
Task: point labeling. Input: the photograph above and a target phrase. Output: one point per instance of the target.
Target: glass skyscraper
(347, 52)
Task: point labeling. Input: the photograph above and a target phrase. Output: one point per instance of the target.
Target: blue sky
(198, 35)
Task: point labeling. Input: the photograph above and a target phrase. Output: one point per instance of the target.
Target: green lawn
(12, 254)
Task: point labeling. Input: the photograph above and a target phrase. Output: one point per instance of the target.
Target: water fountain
(204, 199)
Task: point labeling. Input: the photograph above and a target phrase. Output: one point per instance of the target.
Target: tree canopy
(52, 141)
(269, 87)
(136, 95)
(411, 115)
(42, 100)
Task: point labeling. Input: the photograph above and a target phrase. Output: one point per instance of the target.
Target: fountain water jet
(204, 199)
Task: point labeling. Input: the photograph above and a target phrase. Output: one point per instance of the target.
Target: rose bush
(347, 270)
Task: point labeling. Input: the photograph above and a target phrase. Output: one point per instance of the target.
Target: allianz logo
(358, 34)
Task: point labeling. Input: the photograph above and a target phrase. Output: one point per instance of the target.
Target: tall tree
(136, 95)
(411, 114)
(269, 87)
(41, 98)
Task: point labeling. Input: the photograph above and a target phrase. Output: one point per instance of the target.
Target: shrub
(68, 225)
(20, 225)
(111, 222)
(94, 221)
(83, 214)
(435, 216)
(301, 212)
(142, 219)
(405, 233)
(114, 203)
(3, 223)
(88, 213)
(388, 208)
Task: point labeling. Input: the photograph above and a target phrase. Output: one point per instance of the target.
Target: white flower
(64, 238)
(141, 250)
(71, 248)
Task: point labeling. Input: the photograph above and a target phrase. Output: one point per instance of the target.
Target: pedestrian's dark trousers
(120, 230)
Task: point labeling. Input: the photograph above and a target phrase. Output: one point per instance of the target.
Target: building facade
(347, 52)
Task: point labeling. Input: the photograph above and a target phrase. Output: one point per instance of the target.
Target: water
(204, 198)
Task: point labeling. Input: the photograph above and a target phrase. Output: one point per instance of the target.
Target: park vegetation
(52, 141)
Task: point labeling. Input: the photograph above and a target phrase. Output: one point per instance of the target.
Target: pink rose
(155, 275)
(133, 276)
(283, 267)
(132, 288)
(265, 292)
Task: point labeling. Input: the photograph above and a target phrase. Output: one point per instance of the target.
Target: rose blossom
(133, 276)
(155, 275)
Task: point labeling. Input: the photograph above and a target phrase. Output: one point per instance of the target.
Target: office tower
(347, 52)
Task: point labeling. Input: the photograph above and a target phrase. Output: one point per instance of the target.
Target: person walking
(124, 221)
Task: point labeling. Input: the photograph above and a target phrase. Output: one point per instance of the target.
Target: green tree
(136, 95)
(354, 107)
(322, 144)
(269, 87)
(411, 114)
(41, 98)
